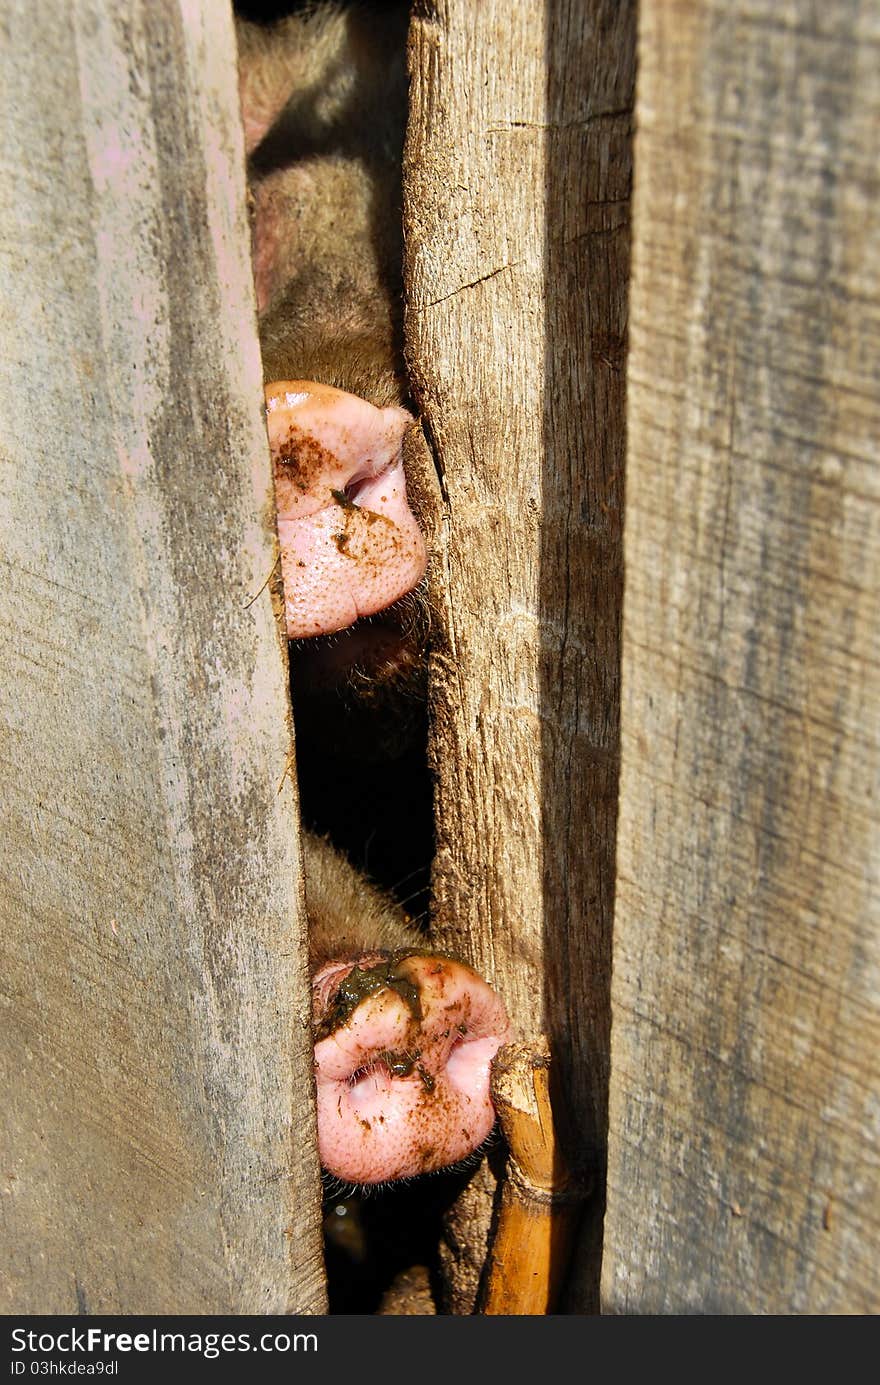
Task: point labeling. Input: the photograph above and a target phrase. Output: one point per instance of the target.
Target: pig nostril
(369, 1080)
(367, 475)
(460, 1040)
(468, 1061)
(383, 1068)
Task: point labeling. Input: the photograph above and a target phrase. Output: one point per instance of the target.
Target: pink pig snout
(350, 544)
(404, 1045)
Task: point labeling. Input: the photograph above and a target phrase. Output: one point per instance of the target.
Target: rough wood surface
(152, 979)
(516, 220)
(744, 1169)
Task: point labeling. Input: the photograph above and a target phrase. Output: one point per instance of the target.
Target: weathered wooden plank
(743, 1154)
(516, 220)
(152, 981)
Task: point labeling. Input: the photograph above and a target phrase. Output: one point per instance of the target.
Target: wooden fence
(155, 1000)
(656, 743)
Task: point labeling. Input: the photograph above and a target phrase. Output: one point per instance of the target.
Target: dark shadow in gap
(590, 48)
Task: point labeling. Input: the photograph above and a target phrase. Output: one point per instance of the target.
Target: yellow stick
(540, 1199)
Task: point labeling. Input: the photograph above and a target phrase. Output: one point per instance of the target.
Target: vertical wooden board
(517, 234)
(153, 975)
(744, 1111)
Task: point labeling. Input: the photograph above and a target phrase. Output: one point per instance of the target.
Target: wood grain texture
(744, 1170)
(516, 220)
(156, 1037)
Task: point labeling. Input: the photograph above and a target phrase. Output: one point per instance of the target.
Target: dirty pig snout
(403, 1050)
(350, 544)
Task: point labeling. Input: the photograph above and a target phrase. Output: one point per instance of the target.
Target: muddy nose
(350, 544)
(402, 1065)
